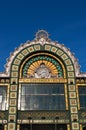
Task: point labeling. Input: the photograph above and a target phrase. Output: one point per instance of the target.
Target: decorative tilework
(68, 62)
(47, 47)
(37, 47)
(20, 56)
(13, 87)
(13, 95)
(71, 88)
(64, 56)
(75, 125)
(30, 66)
(25, 52)
(17, 61)
(11, 126)
(12, 117)
(73, 102)
(14, 80)
(12, 110)
(71, 81)
(70, 74)
(14, 68)
(73, 109)
(14, 74)
(59, 52)
(72, 95)
(31, 49)
(70, 68)
(12, 102)
(74, 117)
(54, 49)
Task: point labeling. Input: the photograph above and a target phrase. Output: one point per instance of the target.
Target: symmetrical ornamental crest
(42, 40)
(42, 36)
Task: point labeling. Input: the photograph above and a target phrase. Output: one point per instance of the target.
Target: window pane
(42, 97)
(82, 96)
(3, 90)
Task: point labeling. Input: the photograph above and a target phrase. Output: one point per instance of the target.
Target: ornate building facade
(42, 88)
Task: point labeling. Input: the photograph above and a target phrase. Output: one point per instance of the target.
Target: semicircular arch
(63, 57)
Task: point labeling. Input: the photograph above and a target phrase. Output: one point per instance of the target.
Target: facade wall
(40, 63)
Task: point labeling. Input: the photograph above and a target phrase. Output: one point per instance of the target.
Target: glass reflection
(42, 97)
(2, 98)
(82, 96)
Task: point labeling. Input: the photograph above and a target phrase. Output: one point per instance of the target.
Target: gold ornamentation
(68, 62)
(13, 87)
(47, 47)
(16, 61)
(25, 52)
(59, 52)
(13, 94)
(45, 67)
(11, 117)
(38, 80)
(72, 95)
(14, 74)
(12, 102)
(12, 110)
(70, 68)
(11, 126)
(70, 74)
(14, 80)
(74, 117)
(73, 102)
(44, 61)
(71, 88)
(14, 68)
(71, 81)
(64, 56)
(20, 56)
(54, 49)
(30, 49)
(75, 125)
(37, 47)
(43, 114)
(73, 109)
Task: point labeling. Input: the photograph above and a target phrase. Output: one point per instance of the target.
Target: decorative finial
(42, 34)
(42, 37)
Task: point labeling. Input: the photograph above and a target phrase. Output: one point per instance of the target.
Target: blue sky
(65, 20)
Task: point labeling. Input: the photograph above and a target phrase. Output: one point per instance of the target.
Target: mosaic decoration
(73, 109)
(75, 126)
(12, 94)
(42, 67)
(11, 126)
(73, 102)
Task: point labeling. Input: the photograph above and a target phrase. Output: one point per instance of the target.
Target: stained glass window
(42, 97)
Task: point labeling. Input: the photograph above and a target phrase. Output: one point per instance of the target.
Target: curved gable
(42, 43)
